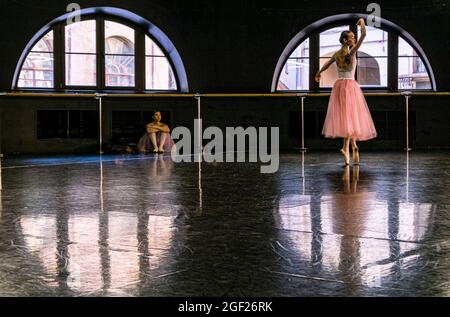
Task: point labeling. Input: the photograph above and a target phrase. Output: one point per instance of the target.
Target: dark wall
(232, 45)
(227, 46)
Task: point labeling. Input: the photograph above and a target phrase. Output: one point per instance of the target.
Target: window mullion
(392, 61)
(314, 60)
(58, 55)
(139, 62)
(100, 53)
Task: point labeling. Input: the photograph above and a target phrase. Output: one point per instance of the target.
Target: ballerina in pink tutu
(157, 138)
(348, 115)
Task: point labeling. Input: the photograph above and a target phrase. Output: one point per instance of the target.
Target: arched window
(37, 70)
(101, 52)
(412, 73)
(386, 59)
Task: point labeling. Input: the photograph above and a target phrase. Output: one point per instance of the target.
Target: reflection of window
(97, 54)
(82, 256)
(372, 62)
(37, 70)
(414, 219)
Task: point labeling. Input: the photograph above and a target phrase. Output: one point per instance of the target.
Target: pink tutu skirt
(145, 142)
(348, 115)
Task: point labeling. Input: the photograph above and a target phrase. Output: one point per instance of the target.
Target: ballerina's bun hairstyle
(344, 35)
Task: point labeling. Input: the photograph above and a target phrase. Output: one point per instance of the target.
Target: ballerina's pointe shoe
(346, 156)
(356, 156)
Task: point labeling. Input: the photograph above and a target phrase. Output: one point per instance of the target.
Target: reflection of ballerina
(157, 138)
(348, 115)
(350, 208)
(350, 211)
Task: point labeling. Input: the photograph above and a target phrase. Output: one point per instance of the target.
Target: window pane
(329, 76)
(375, 43)
(81, 70)
(45, 44)
(151, 49)
(159, 74)
(119, 38)
(329, 44)
(81, 37)
(37, 71)
(412, 74)
(302, 50)
(404, 49)
(295, 75)
(329, 40)
(372, 72)
(119, 71)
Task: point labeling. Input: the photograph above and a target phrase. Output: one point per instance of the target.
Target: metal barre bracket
(98, 95)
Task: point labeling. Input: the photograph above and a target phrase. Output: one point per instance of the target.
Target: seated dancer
(157, 138)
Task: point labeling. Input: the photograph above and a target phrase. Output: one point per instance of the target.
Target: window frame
(314, 59)
(30, 51)
(59, 66)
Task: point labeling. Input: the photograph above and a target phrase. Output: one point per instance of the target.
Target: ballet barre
(208, 95)
(198, 97)
(99, 97)
(302, 111)
(407, 95)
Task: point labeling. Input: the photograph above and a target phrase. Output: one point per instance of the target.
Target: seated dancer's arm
(164, 128)
(151, 128)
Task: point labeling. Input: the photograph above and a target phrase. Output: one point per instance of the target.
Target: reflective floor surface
(146, 226)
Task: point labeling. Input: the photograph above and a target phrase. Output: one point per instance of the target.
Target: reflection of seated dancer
(157, 138)
(161, 167)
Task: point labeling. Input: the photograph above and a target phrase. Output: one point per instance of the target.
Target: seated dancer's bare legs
(355, 152)
(154, 142)
(346, 151)
(162, 141)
